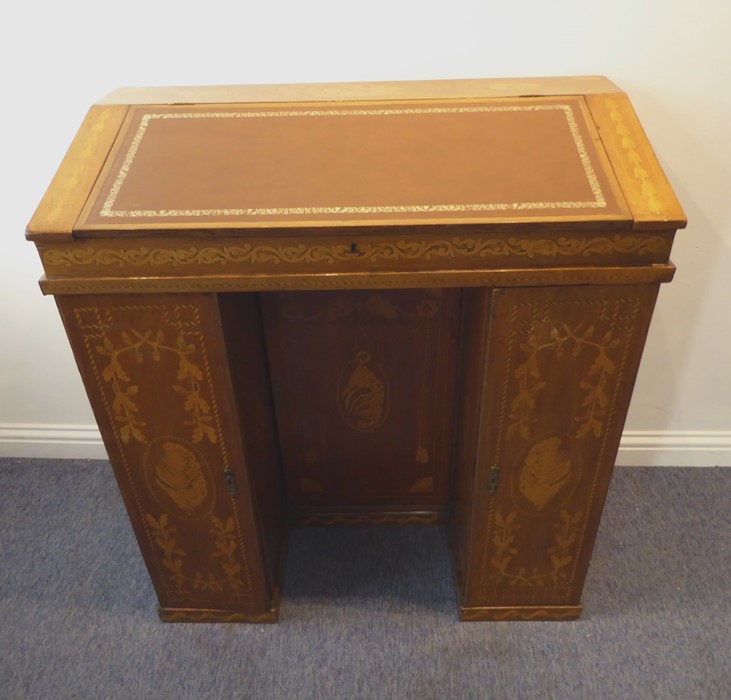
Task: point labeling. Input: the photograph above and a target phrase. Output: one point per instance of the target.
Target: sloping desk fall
(369, 303)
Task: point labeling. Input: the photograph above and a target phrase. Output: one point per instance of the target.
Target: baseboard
(639, 448)
(675, 448)
(51, 440)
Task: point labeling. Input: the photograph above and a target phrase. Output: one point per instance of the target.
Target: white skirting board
(51, 440)
(639, 448)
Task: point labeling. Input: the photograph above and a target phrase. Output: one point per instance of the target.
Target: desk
(360, 304)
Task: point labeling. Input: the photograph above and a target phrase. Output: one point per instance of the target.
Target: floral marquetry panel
(561, 366)
(152, 367)
(362, 382)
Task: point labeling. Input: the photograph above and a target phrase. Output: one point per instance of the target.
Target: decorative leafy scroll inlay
(634, 158)
(529, 375)
(566, 531)
(138, 345)
(225, 544)
(456, 247)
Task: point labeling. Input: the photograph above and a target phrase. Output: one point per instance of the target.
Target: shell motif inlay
(546, 470)
(179, 475)
(363, 393)
(179, 478)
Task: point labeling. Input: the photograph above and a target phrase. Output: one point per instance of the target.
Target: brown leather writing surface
(373, 162)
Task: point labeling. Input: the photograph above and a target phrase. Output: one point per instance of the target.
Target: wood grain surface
(338, 92)
(364, 382)
(557, 373)
(58, 211)
(645, 185)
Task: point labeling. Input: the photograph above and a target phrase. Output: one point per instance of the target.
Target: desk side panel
(155, 371)
(248, 365)
(475, 326)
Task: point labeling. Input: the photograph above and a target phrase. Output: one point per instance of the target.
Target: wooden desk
(360, 304)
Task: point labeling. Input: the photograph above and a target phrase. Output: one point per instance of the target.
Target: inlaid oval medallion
(548, 474)
(179, 478)
(363, 393)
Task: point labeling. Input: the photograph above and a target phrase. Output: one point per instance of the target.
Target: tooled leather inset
(245, 124)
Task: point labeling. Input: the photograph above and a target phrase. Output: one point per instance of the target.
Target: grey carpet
(367, 613)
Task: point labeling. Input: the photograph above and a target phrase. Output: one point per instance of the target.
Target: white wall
(671, 56)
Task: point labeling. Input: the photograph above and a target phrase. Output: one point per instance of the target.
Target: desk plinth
(313, 308)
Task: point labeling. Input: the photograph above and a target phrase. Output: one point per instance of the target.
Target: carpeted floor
(367, 613)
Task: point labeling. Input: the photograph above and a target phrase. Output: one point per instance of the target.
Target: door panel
(364, 386)
(156, 372)
(559, 371)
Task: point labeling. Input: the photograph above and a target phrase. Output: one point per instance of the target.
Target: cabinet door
(156, 372)
(557, 373)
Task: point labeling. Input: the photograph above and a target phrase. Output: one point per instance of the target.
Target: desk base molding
(533, 277)
(372, 519)
(192, 615)
(527, 613)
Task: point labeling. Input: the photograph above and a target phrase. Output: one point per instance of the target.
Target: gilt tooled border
(599, 201)
(366, 252)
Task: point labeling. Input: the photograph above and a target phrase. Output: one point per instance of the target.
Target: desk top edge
(384, 90)
(608, 105)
